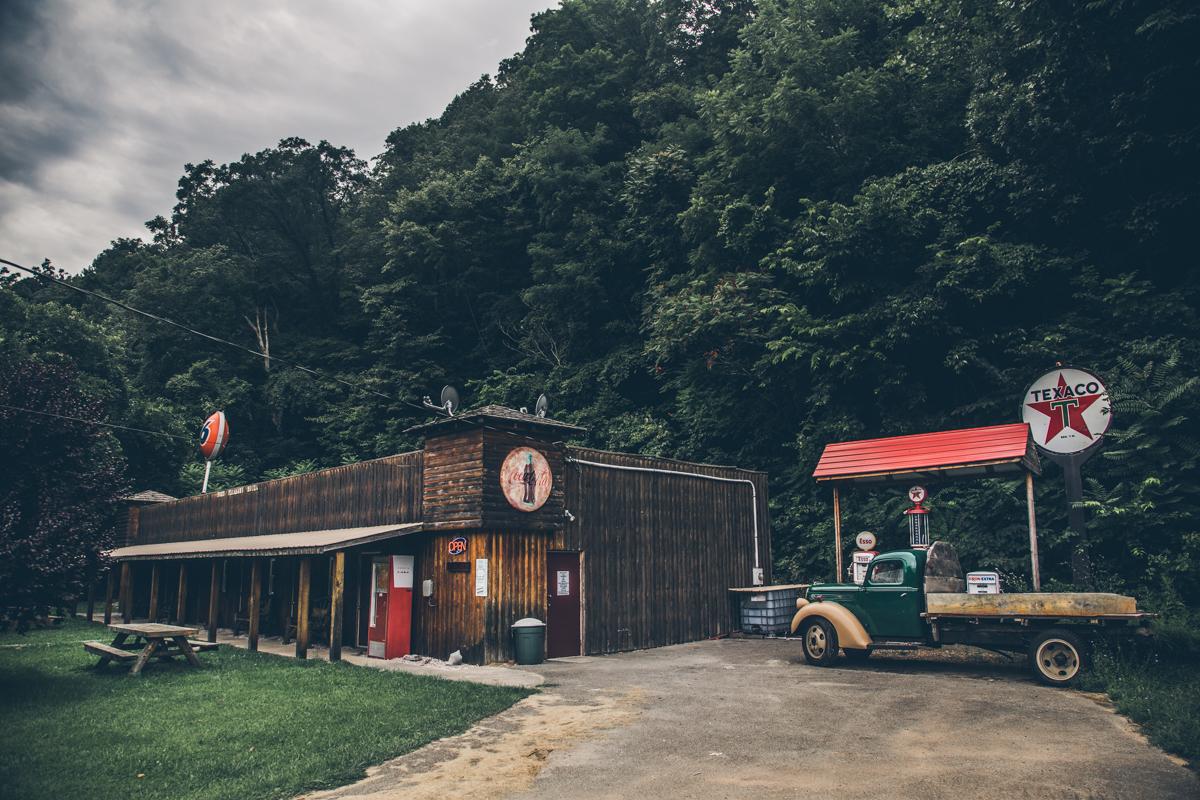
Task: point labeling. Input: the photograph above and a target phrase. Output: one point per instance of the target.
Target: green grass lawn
(248, 725)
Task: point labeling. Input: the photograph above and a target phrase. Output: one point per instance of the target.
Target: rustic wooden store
(443, 549)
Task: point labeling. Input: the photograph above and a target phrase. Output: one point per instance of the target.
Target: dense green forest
(723, 231)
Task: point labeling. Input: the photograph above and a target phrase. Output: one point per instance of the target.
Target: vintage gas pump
(860, 560)
(918, 518)
(389, 627)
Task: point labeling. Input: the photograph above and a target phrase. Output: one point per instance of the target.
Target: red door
(378, 611)
(564, 607)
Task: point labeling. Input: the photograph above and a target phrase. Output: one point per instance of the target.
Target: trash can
(529, 640)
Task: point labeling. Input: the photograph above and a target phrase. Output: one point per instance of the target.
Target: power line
(93, 422)
(157, 318)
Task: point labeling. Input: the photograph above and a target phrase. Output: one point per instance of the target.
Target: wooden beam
(335, 612)
(837, 532)
(302, 608)
(214, 600)
(181, 606)
(126, 596)
(1033, 548)
(154, 575)
(91, 601)
(108, 596)
(255, 599)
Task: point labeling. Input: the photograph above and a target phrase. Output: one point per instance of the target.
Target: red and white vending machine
(390, 625)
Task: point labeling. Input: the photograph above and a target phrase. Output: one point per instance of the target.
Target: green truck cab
(917, 599)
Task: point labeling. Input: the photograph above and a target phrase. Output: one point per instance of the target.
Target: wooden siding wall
(379, 492)
(462, 480)
(454, 618)
(660, 551)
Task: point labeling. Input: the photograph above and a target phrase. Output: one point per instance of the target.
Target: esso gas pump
(918, 518)
(858, 563)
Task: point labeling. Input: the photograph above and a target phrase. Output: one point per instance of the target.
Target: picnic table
(152, 640)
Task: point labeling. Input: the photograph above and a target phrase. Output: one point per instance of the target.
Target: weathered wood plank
(1033, 603)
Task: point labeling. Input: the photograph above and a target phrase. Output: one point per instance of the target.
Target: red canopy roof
(998, 451)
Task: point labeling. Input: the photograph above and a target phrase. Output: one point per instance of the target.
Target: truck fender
(851, 634)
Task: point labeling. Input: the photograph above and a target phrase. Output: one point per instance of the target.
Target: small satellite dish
(450, 400)
(542, 405)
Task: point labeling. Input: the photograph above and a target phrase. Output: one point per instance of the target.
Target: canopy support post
(1033, 549)
(181, 606)
(214, 600)
(255, 596)
(335, 612)
(837, 533)
(155, 569)
(91, 600)
(126, 596)
(302, 608)
(108, 596)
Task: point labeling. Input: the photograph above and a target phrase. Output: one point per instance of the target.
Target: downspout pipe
(623, 467)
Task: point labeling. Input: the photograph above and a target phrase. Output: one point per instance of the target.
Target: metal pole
(1033, 550)
(1072, 463)
(837, 532)
(207, 467)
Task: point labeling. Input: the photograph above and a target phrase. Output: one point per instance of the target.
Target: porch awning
(303, 543)
(997, 451)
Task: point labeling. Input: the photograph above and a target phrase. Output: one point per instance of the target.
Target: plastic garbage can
(529, 640)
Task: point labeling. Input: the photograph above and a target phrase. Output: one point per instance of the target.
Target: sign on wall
(481, 577)
(458, 546)
(1067, 410)
(525, 478)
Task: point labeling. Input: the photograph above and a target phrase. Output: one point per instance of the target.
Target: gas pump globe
(918, 518)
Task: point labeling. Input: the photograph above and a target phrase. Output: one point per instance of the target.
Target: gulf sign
(214, 435)
(1067, 410)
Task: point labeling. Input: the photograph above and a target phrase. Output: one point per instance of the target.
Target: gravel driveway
(747, 718)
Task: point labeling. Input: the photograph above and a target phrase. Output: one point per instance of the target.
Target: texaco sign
(1067, 410)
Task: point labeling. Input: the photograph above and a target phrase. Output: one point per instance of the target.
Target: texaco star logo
(1067, 410)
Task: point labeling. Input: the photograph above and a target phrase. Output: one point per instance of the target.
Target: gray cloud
(103, 101)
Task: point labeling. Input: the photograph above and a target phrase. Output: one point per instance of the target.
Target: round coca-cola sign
(1067, 410)
(525, 478)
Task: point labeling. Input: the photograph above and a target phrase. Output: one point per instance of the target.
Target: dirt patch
(499, 756)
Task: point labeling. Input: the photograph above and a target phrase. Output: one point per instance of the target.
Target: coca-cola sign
(525, 478)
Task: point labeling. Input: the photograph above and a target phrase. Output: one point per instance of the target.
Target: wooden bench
(109, 653)
(203, 647)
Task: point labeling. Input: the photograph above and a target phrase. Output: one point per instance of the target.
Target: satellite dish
(542, 405)
(450, 400)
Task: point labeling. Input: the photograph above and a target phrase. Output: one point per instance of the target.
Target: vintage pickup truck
(917, 599)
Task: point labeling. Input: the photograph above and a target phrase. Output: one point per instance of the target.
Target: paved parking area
(747, 718)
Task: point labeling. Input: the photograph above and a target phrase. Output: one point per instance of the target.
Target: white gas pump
(859, 561)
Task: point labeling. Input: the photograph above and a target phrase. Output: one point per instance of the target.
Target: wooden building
(495, 520)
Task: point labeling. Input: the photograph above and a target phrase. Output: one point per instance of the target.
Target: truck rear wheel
(1057, 657)
(820, 641)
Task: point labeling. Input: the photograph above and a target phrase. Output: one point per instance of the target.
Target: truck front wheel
(820, 642)
(1057, 657)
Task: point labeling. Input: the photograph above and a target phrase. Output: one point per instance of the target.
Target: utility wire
(93, 422)
(156, 318)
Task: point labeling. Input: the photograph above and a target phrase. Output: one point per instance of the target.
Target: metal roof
(497, 414)
(277, 544)
(997, 451)
(149, 497)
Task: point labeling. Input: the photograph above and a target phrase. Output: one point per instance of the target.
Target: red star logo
(1065, 410)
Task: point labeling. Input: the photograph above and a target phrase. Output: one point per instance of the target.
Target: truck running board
(899, 645)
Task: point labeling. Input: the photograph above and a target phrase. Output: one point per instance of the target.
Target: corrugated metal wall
(379, 492)
(660, 551)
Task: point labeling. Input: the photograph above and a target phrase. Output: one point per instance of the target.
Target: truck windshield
(887, 572)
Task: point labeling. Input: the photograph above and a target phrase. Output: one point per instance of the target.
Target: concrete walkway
(502, 676)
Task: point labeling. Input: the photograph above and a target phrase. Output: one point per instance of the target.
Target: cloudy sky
(102, 102)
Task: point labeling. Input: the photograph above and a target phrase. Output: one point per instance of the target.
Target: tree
(60, 480)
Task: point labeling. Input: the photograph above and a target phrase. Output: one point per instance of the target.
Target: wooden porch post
(255, 596)
(335, 613)
(91, 601)
(837, 532)
(154, 570)
(1033, 551)
(126, 596)
(181, 606)
(108, 597)
(214, 600)
(302, 608)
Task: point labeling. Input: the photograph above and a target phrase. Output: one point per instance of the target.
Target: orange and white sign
(525, 478)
